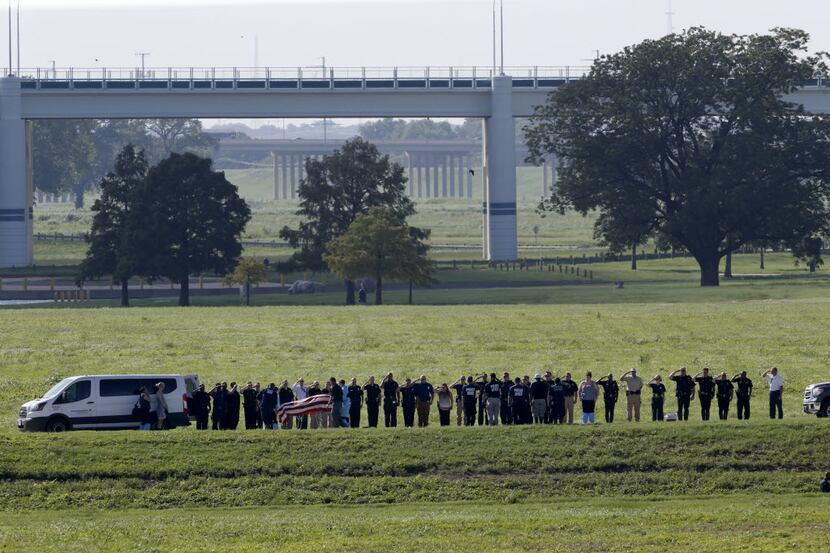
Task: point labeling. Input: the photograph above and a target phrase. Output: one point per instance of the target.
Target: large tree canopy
(691, 136)
(188, 219)
(337, 189)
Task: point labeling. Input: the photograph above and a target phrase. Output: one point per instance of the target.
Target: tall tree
(188, 220)
(337, 189)
(108, 252)
(377, 244)
(695, 131)
(63, 157)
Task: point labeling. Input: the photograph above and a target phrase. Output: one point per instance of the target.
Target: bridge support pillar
(451, 164)
(444, 168)
(16, 193)
(500, 154)
(276, 175)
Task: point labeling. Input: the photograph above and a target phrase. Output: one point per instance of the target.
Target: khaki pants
(459, 411)
(569, 408)
(423, 412)
(633, 405)
(315, 420)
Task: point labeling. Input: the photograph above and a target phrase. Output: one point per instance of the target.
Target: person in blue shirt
(470, 394)
(518, 401)
(424, 393)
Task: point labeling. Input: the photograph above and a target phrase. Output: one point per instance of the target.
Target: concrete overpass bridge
(435, 168)
(467, 92)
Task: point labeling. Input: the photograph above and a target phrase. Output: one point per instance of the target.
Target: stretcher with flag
(309, 406)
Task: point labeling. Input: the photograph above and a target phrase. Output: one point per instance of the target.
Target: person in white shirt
(776, 390)
(300, 392)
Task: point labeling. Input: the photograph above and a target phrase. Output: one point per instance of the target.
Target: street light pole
(142, 55)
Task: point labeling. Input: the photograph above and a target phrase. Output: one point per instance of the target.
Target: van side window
(75, 392)
(115, 387)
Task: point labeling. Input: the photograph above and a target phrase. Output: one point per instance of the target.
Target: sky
(353, 33)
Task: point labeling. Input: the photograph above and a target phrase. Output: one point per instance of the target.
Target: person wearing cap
(685, 392)
(658, 396)
(424, 394)
(391, 399)
(705, 392)
(743, 394)
(610, 392)
(776, 391)
(493, 402)
(200, 407)
(506, 412)
(588, 392)
(725, 390)
(633, 392)
(571, 388)
(539, 399)
(470, 392)
(249, 405)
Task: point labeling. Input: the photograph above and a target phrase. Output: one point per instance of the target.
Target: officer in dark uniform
(267, 405)
(724, 395)
(505, 410)
(610, 393)
(408, 403)
(824, 485)
(470, 392)
(685, 392)
(372, 392)
(705, 391)
(249, 406)
(658, 396)
(355, 394)
(391, 399)
(219, 395)
(482, 399)
(743, 395)
(557, 401)
(519, 401)
(200, 407)
(492, 392)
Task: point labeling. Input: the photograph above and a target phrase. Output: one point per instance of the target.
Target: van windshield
(57, 387)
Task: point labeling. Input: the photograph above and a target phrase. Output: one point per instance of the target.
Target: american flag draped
(313, 404)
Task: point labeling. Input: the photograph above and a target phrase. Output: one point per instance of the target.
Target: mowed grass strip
(751, 523)
(186, 468)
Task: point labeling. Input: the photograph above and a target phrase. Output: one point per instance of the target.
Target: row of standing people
(546, 399)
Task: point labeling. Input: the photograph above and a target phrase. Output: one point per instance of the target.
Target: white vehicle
(104, 402)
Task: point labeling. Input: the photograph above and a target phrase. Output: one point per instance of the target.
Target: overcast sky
(375, 32)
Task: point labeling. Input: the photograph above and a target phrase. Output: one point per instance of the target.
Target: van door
(118, 396)
(77, 403)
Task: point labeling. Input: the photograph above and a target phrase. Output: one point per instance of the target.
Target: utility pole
(494, 37)
(18, 38)
(142, 55)
(501, 36)
(670, 18)
(11, 68)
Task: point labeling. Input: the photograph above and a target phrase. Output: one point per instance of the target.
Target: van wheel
(58, 424)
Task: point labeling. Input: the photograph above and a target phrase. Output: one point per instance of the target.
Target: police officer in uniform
(557, 401)
(743, 394)
(481, 381)
(539, 399)
(610, 393)
(391, 399)
(724, 395)
(219, 393)
(267, 405)
(372, 392)
(518, 401)
(506, 411)
(493, 403)
(685, 392)
(249, 406)
(408, 403)
(355, 394)
(658, 395)
(200, 407)
(470, 392)
(705, 392)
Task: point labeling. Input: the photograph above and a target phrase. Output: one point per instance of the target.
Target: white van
(104, 402)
